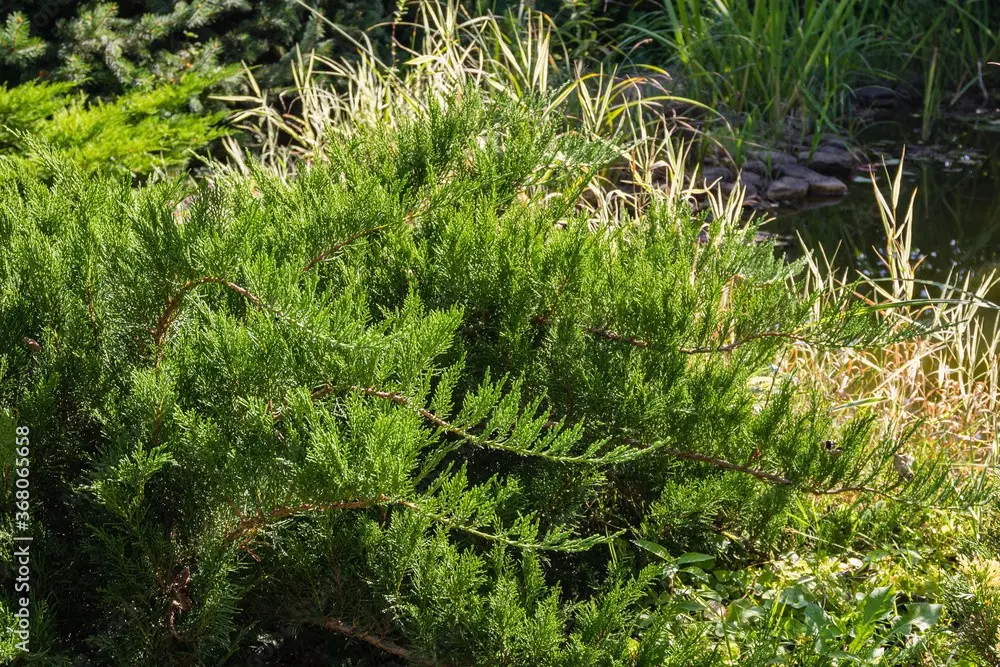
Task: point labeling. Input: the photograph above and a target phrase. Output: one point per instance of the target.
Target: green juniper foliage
(137, 133)
(403, 408)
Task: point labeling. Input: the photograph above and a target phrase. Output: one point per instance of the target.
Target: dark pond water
(956, 212)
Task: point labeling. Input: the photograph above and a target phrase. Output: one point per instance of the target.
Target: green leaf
(744, 611)
(922, 615)
(654, 548)
(816, 619)
(691, 558)
(877, 604)
(794, 597)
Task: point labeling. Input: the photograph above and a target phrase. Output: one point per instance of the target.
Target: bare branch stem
(173, 304)
(385, 645)
(340, 246)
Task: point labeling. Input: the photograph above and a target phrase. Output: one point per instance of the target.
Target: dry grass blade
(454, 53)
(946, 379)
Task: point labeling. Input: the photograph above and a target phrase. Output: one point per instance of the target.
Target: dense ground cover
(145, 131)
(406, 400)
(452, 362)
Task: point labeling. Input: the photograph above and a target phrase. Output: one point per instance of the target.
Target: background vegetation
(777, 70)
(772, 66)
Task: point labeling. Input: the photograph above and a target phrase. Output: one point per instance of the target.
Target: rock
(788, 188)
(876, 96)
(755, 167)
(827, 186)
(796, 170)
(834, 142)
(771, 158)
(819, 184)
(769, 237)
(749, 178)
(752, 184)
(758, 237)
(830, 161)
(816, 203)
(749, 189)
(710, 175)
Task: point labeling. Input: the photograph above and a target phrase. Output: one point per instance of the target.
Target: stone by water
(956, 218)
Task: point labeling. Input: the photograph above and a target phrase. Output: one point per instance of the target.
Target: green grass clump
(408, 405)
(772, 58)
(781, 59)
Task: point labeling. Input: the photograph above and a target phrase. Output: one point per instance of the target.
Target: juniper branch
(617, 455)
(772, 478)
(638, 446)
(341, 245)
(614, 456)
(248, 526)
(380, 643)
(729, 347)
(173, 304)
(634, 341)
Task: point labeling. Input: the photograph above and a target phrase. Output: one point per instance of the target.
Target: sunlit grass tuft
(945, 382)
(453, 55)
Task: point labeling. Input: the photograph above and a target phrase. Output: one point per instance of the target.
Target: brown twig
(340, 246)
(249, 525)
(91, 312)
(380, 643)
(613, 336)
(179, 600)
(634, 341)
(777, 480)
(852, 489)
(173, 303)
(729, 347)
(400, 399)
(727, 465)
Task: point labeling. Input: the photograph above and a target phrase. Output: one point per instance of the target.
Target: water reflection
(956, 212)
